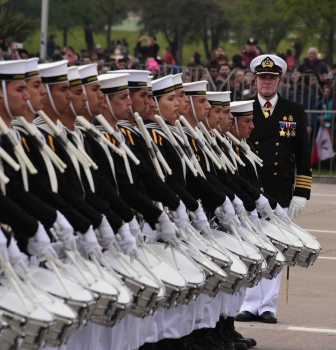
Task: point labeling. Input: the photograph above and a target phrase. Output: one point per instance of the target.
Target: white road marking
(323, 195)
(316, 330)
(326, 257)
(322, 231)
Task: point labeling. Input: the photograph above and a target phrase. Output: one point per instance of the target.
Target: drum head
(98, 284)
(203, 260)
(212, 251)
(237, 265)
(163, 270)
(59, 308)
(190, 271)
(125, 296)
(280, 258)
(119, 267)
(273, 232)
(309, 241)
(51, 284)
(11, 302)
(263, 244)
(231, 243)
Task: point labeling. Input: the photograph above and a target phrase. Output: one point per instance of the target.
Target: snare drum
(250, 257)
(30, 329)
(274, 259)
(144, 288)
(174, 283)
(124, 302)
(105, 293)
(191, 272)
(311, 249)
(80, 299)
(214, 276)
(284, 241)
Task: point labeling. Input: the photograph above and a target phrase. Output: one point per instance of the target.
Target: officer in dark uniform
(280, 139)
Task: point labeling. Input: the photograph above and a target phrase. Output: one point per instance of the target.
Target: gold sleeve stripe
(51, 142)
(160, 140)
(194, 144)
(307, 187)
(24, 141)
(304, 181)
(129, 134)
(303, 177)
(154, 136)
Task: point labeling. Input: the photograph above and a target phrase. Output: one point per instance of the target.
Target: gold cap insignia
(267, 62)
(284, 118)
(290, 118)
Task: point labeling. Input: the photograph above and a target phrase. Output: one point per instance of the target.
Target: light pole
(44, 29)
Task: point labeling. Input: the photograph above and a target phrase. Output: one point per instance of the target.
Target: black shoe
(148, 346)
(209, 338)
(236, 335)
(225, 330)
(167, 344)
(188, 343)
(268, 317)
(246, 316)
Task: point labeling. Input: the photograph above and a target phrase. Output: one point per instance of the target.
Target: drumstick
(9, 160)
(287, 286)
(233, 226)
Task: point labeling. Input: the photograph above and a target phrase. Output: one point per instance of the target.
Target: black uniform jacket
(157, 189)
(281, 141)
(135, 194)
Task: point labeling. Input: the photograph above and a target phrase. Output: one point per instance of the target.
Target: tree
(269, 21)
(14, 23)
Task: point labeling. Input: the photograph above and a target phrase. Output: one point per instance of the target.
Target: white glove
(253, 216)
(181, 220)
(281, 214)
(296, 206)
(226, 213)
(200, 222)
(128, 242)
(107, 236)
(165, 228)
(134, 227)
(40, 244)
(3, 245)
(89, 241)
(262, 204)
(64, 231)
(238, 205)
(14, 254)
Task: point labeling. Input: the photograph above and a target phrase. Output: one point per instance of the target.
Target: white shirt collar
(273, 100)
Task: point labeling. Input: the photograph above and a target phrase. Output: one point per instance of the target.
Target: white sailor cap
(163, 86)
(196, 88)
(241, 109)
(32, 68)
(178, 82)
(74, 77)
(88, 73)
(137, 78)
(13, 70)
(54, 72)
(218, 98)
(268, 64)
(113, 83)
(149, 82)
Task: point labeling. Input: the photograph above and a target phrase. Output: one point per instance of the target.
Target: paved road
(308, 321)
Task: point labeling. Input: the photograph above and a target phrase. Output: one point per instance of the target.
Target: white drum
(174, 283)
(124, 302)
(144, 288)
(289, 245)
(311, 249)
(105, 293)
(250, 257)
(215, 277)
(274, 259)
(191, 272)
(26, 328)
(80, 299)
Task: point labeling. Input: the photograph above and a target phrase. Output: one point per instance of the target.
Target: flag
(323, 148)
